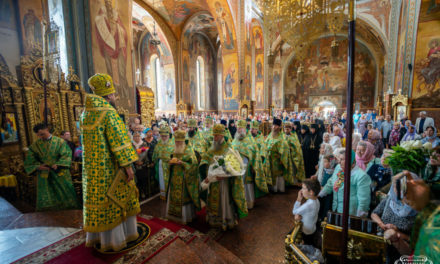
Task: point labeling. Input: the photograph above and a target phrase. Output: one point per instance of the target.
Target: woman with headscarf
(355, 140)
(324, 150)
(393, 214)
(326, 138)
(375, 139)
(410, 134)
(359, 188)
(431, 136)
(394, 135)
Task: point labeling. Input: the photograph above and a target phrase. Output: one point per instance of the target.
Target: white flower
(417, 145)
(427, 146)
(406, 145)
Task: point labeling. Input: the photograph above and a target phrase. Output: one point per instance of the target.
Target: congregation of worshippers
(303, 150)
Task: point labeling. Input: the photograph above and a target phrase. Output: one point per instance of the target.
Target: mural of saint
(228, 39)
(259, 70)
(259, 94)
(229, 80)
(431, 69)
(169, 89)
(32, 30)
(258, 40)
(112, 40)
(180, 13)
(247, 81)
(192, 88)
(185, 70)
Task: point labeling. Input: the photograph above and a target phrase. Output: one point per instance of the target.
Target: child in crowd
(307, 212)
(329, 165)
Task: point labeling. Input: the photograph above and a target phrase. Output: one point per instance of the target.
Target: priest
(49, 159)
(195, 138)
(110, 194)
(161, 157)
(225, 201)
(256, 135)
(254, 182)
(183, 182)
(276, 164)
(296, 156)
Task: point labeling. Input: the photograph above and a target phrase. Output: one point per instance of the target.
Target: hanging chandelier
(299, 22)
(154, 38)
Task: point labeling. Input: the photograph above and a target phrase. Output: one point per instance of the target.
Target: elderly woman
(359, 188)
(393, 214)
(375, 139)
(355, 140)
(362, 124)
(410, 134)
(431, 136)
(394, 135)
(325, 150)
(326, 138)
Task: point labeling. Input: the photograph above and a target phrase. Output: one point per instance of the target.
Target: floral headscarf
(367, 156)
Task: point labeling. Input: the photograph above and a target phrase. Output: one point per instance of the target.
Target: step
(177, 252)
(205, 253)
(222, 252)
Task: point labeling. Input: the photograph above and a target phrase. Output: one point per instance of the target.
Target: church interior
(101, 73)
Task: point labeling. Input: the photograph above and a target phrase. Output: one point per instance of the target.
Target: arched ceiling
(176, 12)
(201, 22)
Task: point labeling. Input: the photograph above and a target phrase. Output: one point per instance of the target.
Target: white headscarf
(328, 150)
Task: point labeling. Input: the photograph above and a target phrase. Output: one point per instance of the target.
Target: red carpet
(72, 249)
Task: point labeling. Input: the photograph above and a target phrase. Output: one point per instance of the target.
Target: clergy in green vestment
(276, 162)
(49, 159)
(207, 132)
(161, 156)
(109, 191)
(296, 156)
(195, 138)
(183, 182)
(254, 177)
(225, 201)
(257, 135)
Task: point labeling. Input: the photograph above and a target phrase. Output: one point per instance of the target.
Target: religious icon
(9, 132)
(32, 30)
(226, 33)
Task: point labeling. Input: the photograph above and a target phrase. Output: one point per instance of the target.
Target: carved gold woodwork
(400, 105)
(182, 109)
(245, 108)
(147, 105)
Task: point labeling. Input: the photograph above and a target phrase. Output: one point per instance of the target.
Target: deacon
(110, 194)
(183, 182)
(161, 157)
(254, 177)
(196, 139)
(296, 156)
(225, 202)
(49, 159)
(276, 164)
(257, 135)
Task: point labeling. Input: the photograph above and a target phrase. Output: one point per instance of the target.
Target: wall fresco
(426, 81)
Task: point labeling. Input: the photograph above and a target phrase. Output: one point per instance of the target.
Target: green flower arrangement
(410, 155)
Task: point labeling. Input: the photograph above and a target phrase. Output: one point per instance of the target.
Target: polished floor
(259, 238)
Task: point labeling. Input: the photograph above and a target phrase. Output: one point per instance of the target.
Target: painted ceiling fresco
(175, 12)
(202, 23)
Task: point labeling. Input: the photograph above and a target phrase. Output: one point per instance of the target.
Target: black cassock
(310, 144)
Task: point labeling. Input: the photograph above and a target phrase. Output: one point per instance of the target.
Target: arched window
(200, 68)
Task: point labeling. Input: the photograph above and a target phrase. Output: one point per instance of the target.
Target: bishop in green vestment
(183, 182)
(256, 135)
(161, 156)
(254, 177)
(276, 162)
(109, 191)
(49, 159)
(296, 156)
(225, 202)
